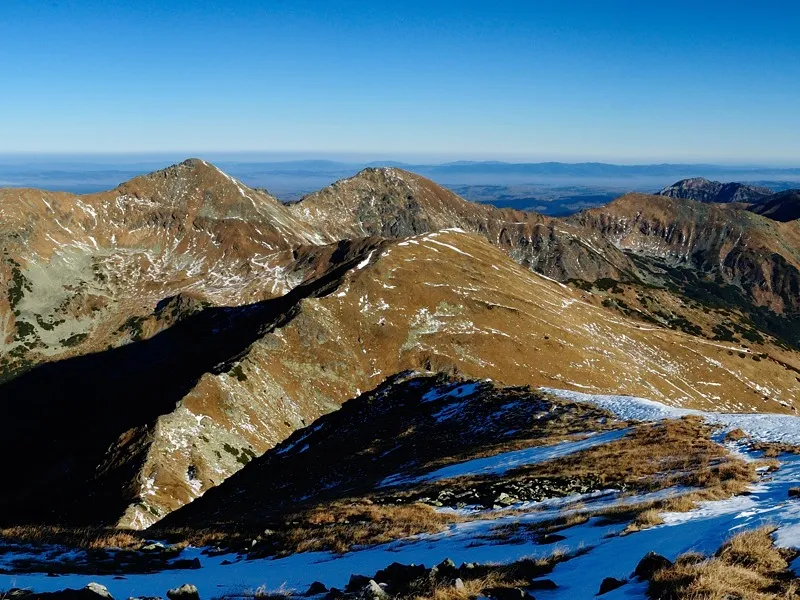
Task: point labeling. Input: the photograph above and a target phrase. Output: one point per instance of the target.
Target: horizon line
(361, 157)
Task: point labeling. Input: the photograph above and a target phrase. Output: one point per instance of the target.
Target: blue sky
(614, 81)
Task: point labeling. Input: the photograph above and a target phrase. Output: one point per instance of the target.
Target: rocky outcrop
(703, 190)
(720, 244)
(393, 203)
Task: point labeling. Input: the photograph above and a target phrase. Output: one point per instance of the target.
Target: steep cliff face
(723, 244)
(703, 190)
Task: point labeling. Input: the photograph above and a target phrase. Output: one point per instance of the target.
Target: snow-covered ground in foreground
(616, 556)
(703, 529)
(760, 426)
(500, 463)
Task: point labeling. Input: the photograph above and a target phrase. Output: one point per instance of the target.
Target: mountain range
(160, 336)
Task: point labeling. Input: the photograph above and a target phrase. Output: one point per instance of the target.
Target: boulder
(543, 584)
(334, 594)
(185, 563)
(459, 584)
(650, 564)
(316, 588)
(356, 583)
(504, 499)
(153, 547)
(372, 591)
(93, 591)
(610, 583)
(505, 593)
(445, 570)
(400, 576)
(186, 592)
(98, 590)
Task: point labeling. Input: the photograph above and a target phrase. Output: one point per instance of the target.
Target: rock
(334, 594)
(445, 570)
(543, 584)
(316, 588)
(794, 492)
(458, 583)
(372, 591)
(400, 576)
(610, 583)
(185, 563)
(98, 589)
(153, 547)
(146, 598)
(186, 592)
(93, 591)
(504, 499)
(356, 583)
(503, 593)
(650, 564)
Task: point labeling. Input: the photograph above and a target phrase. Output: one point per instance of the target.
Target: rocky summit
(703, 190)
(160, 337)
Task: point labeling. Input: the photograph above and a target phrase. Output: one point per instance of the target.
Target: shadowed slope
(84, 425)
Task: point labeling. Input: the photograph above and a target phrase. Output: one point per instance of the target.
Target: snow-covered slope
(759, 426)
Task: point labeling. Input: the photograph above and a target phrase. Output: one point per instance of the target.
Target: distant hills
(554, 188)
(781, 206)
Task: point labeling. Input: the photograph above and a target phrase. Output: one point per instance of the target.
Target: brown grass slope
(393, 203)
(398, 427)
(759, 255)
(748, 566)
(320, 490)
(80, 273)
(719, 257)
(442, 301)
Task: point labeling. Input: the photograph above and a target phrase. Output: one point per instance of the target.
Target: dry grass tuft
(482, 577)
(341, 525)
(749, 566)
(655, 456)
(88, 538)
(775, 449)
(734, 435)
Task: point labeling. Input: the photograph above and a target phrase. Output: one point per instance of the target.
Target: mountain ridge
(256, 327)
(704, 190)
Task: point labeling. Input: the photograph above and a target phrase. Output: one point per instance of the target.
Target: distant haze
(548, 187)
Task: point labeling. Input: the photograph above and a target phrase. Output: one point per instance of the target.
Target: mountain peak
(705, 190)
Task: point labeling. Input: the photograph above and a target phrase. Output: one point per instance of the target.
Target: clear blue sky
(616, 81)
